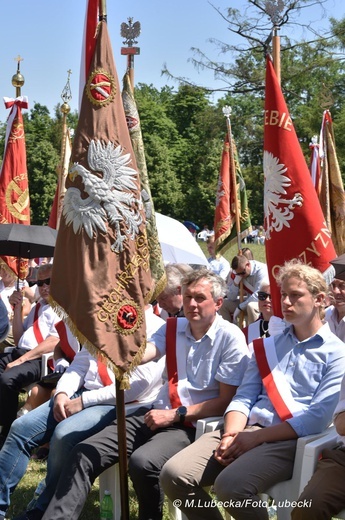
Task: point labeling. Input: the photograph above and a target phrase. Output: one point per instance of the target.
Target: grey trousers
(148, 451)
(324, 495)
(237, 486)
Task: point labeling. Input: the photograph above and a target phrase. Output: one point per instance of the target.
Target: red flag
(91, 20)
(14, 188)
(294, 223)
(230, 193)
(101, 278)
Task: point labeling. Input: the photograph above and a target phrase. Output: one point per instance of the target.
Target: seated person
(34, 336)
(64, 353)
(7, 287)
(170, 299)
(335, 314)
(259, 328)
(251, 274)
(83, 405)
(256, 447)
(206, 359)
(217, 262)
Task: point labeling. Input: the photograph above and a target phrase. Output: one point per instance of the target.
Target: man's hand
(60, 401)
(65, 407)
(233, 446)
(237, 279)
(14, 363)
(155, 419)
(61, 365)
(236, 314)
(16, 299)
(74, 406)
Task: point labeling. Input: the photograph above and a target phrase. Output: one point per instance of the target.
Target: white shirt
(145, 380)
(221, 355)
(46, 322)
(338, 328)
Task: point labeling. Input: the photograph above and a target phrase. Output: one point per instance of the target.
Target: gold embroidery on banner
(117, 298)
(17, 131)
(100, 87)
(17, 207)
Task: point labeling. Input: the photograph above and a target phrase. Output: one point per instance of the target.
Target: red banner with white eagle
(14, 187)
(101, 276)
(294, 223)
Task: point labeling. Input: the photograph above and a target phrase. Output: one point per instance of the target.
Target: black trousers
(12, 381)
(148, 452)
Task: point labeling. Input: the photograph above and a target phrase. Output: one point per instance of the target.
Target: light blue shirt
(314, 369)
(221, 355)
(258, 275)
(220, 266)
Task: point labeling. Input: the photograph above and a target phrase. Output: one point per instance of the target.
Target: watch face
(182, 410)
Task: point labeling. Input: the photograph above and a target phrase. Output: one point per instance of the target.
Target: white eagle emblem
(107, 199)
(275, 184)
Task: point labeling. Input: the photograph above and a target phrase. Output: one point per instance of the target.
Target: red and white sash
(36, 325)
(247, 286)
(175, 375)
(171, 362)
(277, 388)
(103, 372)
(69, 343)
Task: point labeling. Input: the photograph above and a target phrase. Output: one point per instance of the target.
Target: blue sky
(48, 35)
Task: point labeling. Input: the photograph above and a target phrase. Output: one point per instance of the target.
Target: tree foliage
(183, 130)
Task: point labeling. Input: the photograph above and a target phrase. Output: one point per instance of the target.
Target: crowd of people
(212, 338)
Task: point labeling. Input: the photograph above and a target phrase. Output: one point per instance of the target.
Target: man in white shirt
(335, 314)
(34, 336)
(82, 406)
(251, 274)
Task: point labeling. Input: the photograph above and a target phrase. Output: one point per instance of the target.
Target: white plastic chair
(289, 490)
(312, 454)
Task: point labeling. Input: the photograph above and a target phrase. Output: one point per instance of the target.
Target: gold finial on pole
(66, 95)
(274, 9)
(130, 31)
(18, 79)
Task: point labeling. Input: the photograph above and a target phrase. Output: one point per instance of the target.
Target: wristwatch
(181, 412)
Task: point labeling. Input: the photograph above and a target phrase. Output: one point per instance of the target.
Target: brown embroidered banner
(101, 276)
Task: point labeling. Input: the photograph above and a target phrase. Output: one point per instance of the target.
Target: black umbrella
(339, 266)
(27, 241)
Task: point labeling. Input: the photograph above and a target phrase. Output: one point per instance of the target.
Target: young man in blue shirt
(256, 448)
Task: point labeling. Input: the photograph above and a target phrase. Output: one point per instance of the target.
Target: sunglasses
(241, 273)
(263, 296)
(40, 283)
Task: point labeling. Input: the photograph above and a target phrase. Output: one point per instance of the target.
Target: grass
(258, 251)
(36, 472)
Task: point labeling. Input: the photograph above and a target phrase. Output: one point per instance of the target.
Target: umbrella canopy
(191, 226)
(339, 266)
(178, 245)
(27, 241)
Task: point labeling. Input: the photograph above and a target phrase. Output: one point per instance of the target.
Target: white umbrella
(177, 243)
